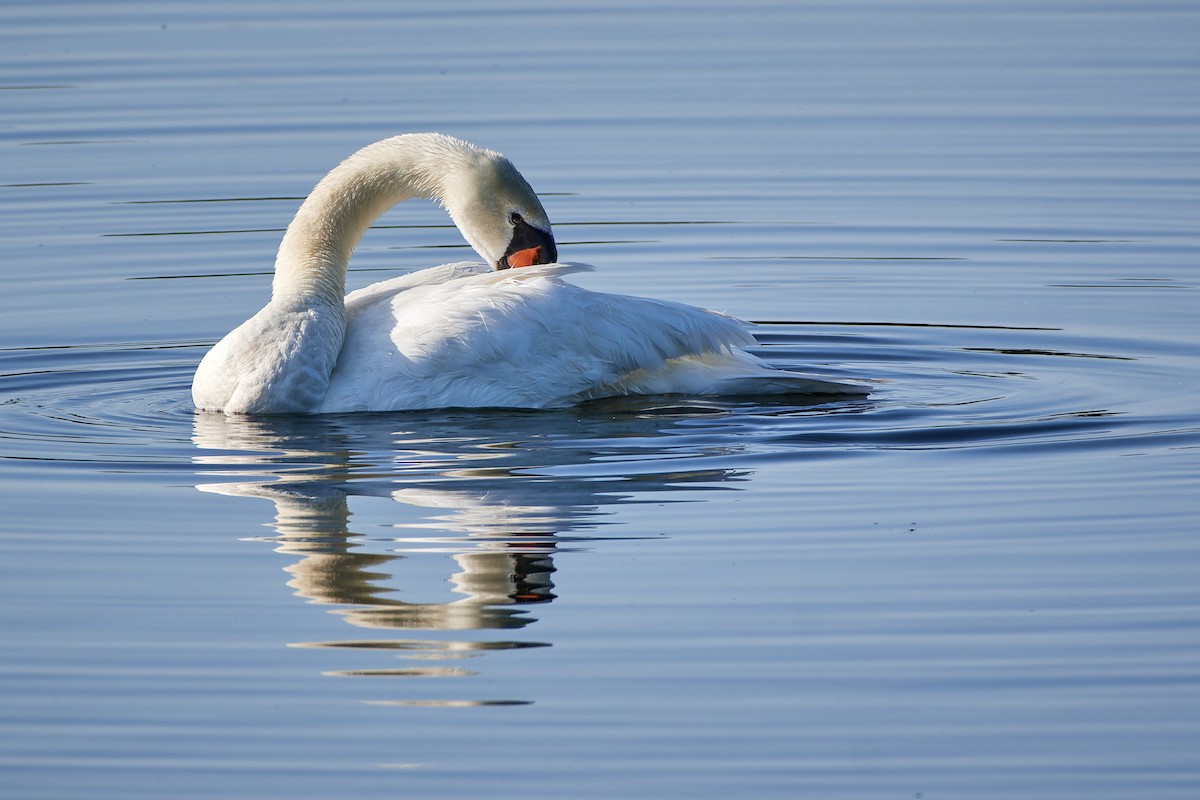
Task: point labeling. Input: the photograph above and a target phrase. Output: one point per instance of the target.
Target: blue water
(980, 581)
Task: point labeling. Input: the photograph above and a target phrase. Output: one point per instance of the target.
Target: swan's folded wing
(517, 338)
(633, 333)
(532, 339)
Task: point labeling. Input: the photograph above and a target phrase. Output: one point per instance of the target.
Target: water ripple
(128, 405)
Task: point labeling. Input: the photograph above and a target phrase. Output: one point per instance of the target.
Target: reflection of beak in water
(502, 495)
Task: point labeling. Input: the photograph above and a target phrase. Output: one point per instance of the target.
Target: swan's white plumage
(460, 335)
(464, 335)
(277, 362)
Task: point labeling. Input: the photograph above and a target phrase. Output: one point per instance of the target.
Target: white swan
(461, 335)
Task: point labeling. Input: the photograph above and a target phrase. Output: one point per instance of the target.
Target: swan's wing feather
(565, 339)
(522, 338)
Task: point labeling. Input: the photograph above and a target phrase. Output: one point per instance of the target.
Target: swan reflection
(480, 507)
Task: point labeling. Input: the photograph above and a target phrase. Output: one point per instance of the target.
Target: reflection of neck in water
(311, 520)
(517, 485)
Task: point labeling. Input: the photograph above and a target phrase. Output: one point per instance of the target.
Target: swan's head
(497, 211)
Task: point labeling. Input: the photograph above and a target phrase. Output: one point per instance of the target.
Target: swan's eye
(515, 218)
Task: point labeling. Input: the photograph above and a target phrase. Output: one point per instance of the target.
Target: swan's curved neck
(312, 258)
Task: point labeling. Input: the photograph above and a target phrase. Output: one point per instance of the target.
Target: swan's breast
(277, 362)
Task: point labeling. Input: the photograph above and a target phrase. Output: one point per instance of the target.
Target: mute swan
(466, 334)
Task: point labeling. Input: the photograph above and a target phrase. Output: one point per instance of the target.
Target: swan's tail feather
(731, 373)
(784, 383)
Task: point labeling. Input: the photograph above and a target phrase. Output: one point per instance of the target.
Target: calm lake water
(981, 581)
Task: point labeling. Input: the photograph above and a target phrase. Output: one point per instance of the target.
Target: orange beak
(525, 258)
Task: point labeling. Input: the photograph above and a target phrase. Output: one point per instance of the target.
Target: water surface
(977, 582)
